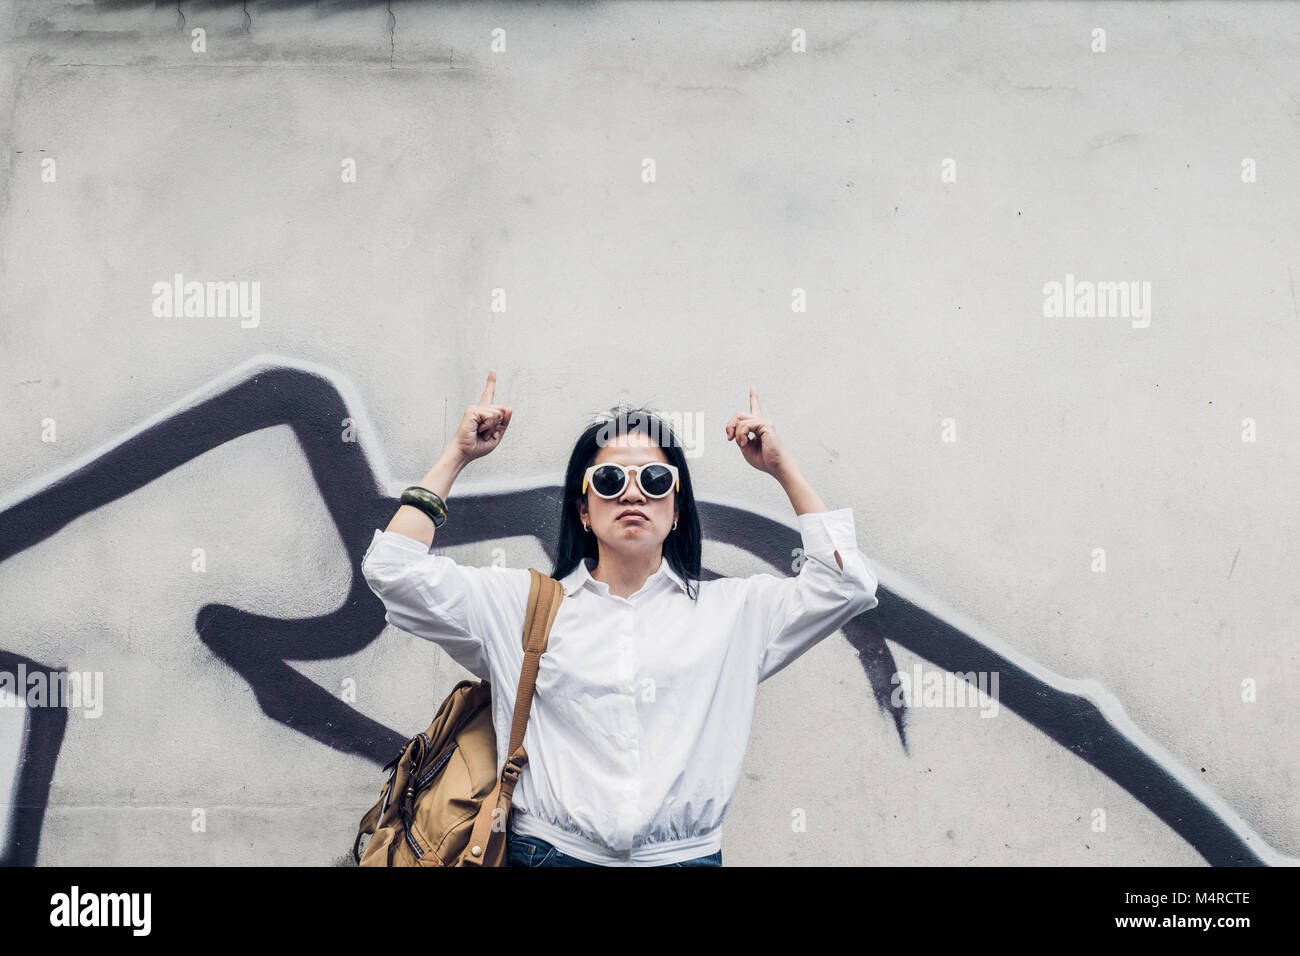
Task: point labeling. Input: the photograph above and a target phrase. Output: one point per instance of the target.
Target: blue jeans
(530, 851)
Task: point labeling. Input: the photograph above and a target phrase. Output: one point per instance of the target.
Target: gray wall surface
(858, 208)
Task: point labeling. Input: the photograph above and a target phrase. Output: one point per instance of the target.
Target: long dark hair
(681, 549)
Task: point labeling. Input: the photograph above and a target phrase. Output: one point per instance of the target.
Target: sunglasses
(610, 480)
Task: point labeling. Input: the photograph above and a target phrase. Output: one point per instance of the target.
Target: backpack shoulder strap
(544, 596)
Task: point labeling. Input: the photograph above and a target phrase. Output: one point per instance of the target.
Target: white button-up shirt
(643, 705)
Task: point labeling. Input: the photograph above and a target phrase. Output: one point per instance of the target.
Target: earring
(585, 526)
(674, 524)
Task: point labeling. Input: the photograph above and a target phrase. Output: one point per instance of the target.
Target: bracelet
(428, 502)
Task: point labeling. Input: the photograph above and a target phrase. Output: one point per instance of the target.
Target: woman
(645, 695)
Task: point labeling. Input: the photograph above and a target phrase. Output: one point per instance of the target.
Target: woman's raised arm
(473, 613)
(479, 432)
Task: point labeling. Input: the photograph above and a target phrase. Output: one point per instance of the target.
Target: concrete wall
(1099, 508)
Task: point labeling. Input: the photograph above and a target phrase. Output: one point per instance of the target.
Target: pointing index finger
(753, 401)
(490, 388)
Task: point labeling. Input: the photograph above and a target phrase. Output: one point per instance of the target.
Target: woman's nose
(633, 489)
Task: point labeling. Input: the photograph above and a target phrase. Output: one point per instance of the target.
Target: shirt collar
(581, 575)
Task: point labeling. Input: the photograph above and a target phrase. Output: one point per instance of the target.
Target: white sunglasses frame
(627, 479)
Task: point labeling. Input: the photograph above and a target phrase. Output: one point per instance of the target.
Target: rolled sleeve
(819, 600)
(467, 611)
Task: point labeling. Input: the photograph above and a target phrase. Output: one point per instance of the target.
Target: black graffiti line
(38, 752)
(314, 401)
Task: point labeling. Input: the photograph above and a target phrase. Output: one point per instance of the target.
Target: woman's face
(606, 515)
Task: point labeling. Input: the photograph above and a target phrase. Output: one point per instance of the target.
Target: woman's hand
(763, 450)
(483, 425)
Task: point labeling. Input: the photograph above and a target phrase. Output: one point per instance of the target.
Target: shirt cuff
(827, 531)
(398, 540)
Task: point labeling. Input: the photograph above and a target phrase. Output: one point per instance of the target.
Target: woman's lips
(633, 517)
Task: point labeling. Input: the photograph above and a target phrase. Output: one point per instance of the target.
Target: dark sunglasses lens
(656, 480)
(607, 480)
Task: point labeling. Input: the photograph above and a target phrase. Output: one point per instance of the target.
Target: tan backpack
(444, 803)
